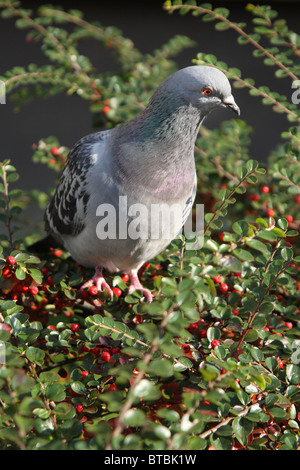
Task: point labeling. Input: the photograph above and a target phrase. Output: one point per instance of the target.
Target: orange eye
(207, 91)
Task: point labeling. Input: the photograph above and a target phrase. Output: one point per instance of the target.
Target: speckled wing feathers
(66, 212)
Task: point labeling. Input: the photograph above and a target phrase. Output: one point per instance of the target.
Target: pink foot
(136, 285)
(99, 281)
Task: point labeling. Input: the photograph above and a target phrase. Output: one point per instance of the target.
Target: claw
(136, 285)
(99, 281)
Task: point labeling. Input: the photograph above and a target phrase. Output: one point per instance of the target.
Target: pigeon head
(205, 88)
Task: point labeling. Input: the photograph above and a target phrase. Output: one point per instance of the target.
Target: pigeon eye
(207, 91)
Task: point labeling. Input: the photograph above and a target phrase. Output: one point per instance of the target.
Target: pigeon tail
(45, 244)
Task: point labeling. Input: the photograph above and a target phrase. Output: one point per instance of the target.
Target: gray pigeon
(117, 183)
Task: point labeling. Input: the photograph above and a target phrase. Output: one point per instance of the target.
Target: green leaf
(56, 392)
(161, 367)
(64, 411)
(286, 253)
(241, 227)
(35, 355)
(257, 245)
(257, 354)
(267, 235)
(134, 418)
(222, 26)
(251, 336)
(182, 364)
(242, 427)
(271, 363)
(242, 254)
(213, 333)
(146, 390)
(278, 412)
(283, 223)
(79, 388)
(20, 273)
(36, 275)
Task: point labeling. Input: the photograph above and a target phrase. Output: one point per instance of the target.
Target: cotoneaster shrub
(213, 362)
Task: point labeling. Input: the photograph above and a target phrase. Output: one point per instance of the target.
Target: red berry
(254, 197)
(289, 324)
(235, 311)
(59, 303)
(297, 199)
(96, 350)
(270, 212)
(75, 327)
(289, 218)
(5, 327)
(186, 348)
(93, 290)
(280, 364)
(55, 151)
(223, 287)
(145, 266)
(84, 373)
(105, 356)
(193, 327)
(215, 343)
(138, 319)
(57, 253)
(10, 260)
(265, 189)
(6, 273)
(18, 287)
(203, 333)
(217, 279)
(237, 275)
(78, 407)
(117, 291)
(105, 109)
(52, 327)
(34, 290)
(115, 350)
(112, 388)
(125, 277)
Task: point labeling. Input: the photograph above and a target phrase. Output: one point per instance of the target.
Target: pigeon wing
(65, 215)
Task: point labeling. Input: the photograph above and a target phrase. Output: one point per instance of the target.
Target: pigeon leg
(99, 281)
(136, 285)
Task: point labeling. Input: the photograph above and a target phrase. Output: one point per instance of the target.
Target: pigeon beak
(230, 103)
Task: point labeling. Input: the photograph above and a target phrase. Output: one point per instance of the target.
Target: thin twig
(239, 30)
(129, 400)
(252, 315)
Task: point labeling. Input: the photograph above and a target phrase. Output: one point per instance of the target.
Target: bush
(213, 361)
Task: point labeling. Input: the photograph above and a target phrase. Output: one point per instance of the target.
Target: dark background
(149, 26)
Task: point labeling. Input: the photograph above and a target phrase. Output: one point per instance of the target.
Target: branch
(236, 28)
(129, 401)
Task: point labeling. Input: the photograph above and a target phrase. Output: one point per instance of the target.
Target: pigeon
(103, 207)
